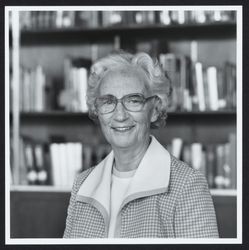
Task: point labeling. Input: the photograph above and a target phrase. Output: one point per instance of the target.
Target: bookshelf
(33, 206)
(107, 34)
(46, 188)
(57, 115)
(63, 114)
(49, 47)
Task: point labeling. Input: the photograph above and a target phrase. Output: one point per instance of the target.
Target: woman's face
(123, 128)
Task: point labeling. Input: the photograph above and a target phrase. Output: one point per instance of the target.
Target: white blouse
(119, 183)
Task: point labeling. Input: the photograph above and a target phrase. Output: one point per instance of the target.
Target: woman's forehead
(123, 81)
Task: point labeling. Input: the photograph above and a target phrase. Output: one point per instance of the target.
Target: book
(25, 20)
(63, 167)
(66, 162)
(73, 96)
(220, 161)
(197, 157)
(39, 96)
(171, 64)
(29, 159)
(177, 144)
(200, 86)
(68, 19)
(210, 165)
(42, 175)
(55, 164)
(185, 82)
(177, 16)
(186, 154)
(144, 17)
(82, 88)
(111, 18)
(90, 19)
(230, 80)
(232, 160)
(22, 179)
(70, 162)
(200, 16)
(87, 19)
(227, 167)
(32, 94)
(212, 88)
(217, 162)
(221, 85)
(164, 17)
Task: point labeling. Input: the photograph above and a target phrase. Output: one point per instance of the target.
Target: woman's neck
(129, 159)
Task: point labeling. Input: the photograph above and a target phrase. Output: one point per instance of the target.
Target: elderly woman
(139, 189)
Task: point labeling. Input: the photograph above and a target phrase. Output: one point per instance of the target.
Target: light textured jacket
(166, 198)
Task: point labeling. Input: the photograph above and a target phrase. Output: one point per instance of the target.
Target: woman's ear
(156, 109)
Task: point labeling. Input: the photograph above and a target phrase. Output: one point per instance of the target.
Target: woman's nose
(120, 113)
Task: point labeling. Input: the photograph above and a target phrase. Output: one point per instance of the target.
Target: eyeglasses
(133, 102)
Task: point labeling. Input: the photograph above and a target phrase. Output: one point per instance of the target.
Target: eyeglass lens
(108, 103)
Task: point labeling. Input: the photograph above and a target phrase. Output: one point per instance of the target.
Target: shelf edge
(36, 188)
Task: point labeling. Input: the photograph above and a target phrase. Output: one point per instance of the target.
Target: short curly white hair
(159, 83)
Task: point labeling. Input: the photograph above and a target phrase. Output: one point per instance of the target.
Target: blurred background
(51, 135)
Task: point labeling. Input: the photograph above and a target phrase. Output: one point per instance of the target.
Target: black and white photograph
(123, 124)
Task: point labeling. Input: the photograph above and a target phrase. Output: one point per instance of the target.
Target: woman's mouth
(123, 128)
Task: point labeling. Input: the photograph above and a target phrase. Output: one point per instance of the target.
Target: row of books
(57, 163)
(54, 163)
(199, 88)
(168, 17)
(195, 86)
(37, 93)
(216, 161)
(94, 19)
(73, 96)
(32, 89)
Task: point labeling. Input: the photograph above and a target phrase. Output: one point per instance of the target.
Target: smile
(122, 129)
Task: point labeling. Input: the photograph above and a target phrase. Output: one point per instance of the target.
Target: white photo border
(239, 111)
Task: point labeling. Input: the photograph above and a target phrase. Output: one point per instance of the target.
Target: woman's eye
(107, 101)
(135, 100)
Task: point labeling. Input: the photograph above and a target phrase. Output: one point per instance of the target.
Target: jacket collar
(151, 177)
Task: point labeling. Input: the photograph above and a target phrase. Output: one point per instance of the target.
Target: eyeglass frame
(117, 100)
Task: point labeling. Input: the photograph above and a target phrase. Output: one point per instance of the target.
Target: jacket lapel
(151, 177)
(95, 190)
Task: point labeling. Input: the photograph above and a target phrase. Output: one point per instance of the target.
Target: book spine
(55, 171)
(82, 81)
(212, 87)
(31, 171)
(200, 86)
(177, 144)
(42, 175)
(233, 159)
(196, 155)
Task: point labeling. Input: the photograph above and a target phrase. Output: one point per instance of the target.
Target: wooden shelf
(223, 192)
(106, 34)
(69, 117)
(224, 113)
(65, 114)
(36, 188)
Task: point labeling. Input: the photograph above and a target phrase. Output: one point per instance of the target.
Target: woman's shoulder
(79, 179)
(179, 167)
(181, 174)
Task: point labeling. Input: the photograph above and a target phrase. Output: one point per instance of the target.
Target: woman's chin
(122, 143)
